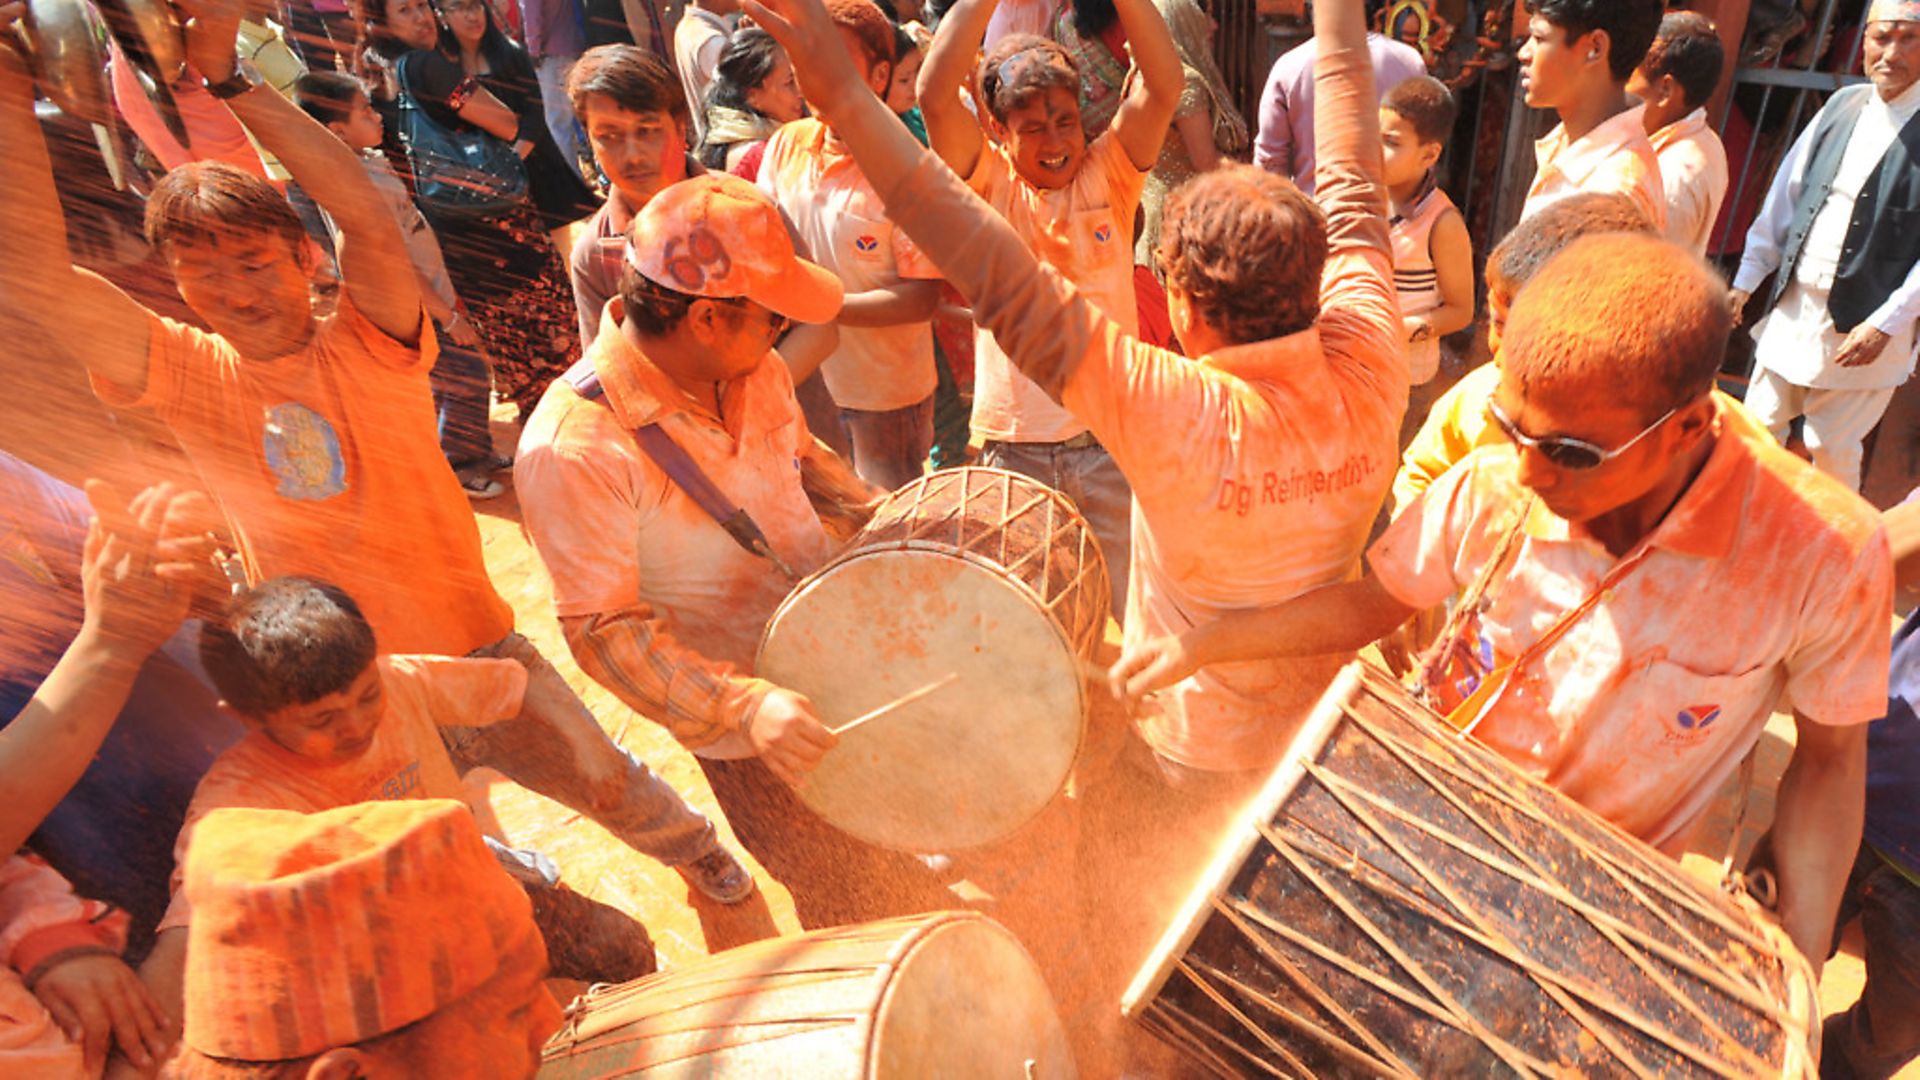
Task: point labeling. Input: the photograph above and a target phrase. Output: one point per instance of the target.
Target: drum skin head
(970, 762)
(946, 994)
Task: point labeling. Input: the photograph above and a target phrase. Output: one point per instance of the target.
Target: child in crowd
(881, 374)
(1073, 202)
(903, 95)
(460, 379)
(1432, 254)
(1674, 82)
(1576, 60)
(331, 723)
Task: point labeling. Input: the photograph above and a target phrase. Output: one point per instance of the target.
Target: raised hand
(142, 562)
(815, 46)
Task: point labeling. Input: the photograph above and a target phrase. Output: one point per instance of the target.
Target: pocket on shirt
(1674, 710)
(864, 241)
(1099, 240)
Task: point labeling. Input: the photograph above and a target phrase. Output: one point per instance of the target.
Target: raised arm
(36, 267)
(1035, 316)
(1346, 131)
(137, 590)
(373, 256)
(1142, 122)
(952, 129)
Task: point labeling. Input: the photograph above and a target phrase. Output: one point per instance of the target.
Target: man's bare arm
(1142, 122)
(36, 266)
(892, 305)
(374, 263)
(1821, 808)
(953, 131)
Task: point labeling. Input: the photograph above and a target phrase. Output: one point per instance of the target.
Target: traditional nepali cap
(718, 236)
(313, 931)
(1894, 11)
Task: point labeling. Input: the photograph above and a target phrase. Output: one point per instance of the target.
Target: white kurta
(1797, 339)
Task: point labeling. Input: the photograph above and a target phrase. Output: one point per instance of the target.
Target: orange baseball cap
(314, 931)
(717, 235)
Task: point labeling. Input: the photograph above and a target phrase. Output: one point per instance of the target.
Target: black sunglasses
(1576, 454)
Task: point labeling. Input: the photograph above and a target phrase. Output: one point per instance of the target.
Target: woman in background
(753, 93)
(1207, 129)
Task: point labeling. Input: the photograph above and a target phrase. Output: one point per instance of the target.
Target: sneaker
(719, 876)
(481, 487)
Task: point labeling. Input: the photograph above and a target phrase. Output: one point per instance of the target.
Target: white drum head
(967, 763)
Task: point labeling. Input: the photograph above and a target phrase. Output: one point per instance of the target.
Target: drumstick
(907, 698)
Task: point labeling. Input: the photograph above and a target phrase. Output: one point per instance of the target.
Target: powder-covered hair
(208, 201)
(1247, 248)
(868, 25)
(1548, 231)
(1688, 47)
(1569, 324)
(1005, 87)
(286, 641)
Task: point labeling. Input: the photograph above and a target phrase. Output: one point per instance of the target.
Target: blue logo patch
(1697, 717)
(867, 244)
(1102, 233)
(303, 453)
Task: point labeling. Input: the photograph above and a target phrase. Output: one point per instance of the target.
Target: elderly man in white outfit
(1841, 230)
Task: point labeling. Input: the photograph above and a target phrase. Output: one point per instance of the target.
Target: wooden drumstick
(905, 699)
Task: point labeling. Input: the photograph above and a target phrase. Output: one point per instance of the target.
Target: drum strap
(673, 459)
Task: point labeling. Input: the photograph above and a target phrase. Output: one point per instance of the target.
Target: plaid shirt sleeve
(632, 653)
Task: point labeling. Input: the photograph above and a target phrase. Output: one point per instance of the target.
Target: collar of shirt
(1686, 127)
(1268, 359)
(1902, 108)
(1702, 522)
(640, 393)
(1576, 159)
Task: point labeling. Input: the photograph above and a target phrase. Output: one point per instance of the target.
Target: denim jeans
(1881, 1032)
(462, 387)
(1087, 476)
(531, 751)
(890, 447)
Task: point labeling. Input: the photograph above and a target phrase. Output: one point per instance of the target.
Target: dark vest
(1883, 237)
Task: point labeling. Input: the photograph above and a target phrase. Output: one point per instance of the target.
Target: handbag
(458, 172)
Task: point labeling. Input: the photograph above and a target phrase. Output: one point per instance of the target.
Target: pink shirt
(1766, 579)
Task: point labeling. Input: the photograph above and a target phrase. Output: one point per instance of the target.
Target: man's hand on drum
(1151, 665)
(788, 736)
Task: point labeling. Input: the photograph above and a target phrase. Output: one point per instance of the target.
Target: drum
(955, 627)
(946, 994)
(1402, 902)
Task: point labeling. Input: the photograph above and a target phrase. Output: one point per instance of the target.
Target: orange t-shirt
(406, 760)
(1767, 581)
(327, 464)
(1083, 230)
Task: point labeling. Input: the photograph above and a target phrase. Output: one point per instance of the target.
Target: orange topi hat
(1894, 11)
(718, 236)
(314, 931)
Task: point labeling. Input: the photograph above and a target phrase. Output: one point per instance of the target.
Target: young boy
(331, 723)
(1074, 204)
(1576, 61)
(460, 378)
(1674, 82)
(1432, 255)
(881, 374)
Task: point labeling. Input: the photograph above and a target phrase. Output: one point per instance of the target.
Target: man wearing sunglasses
(1659, 577)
